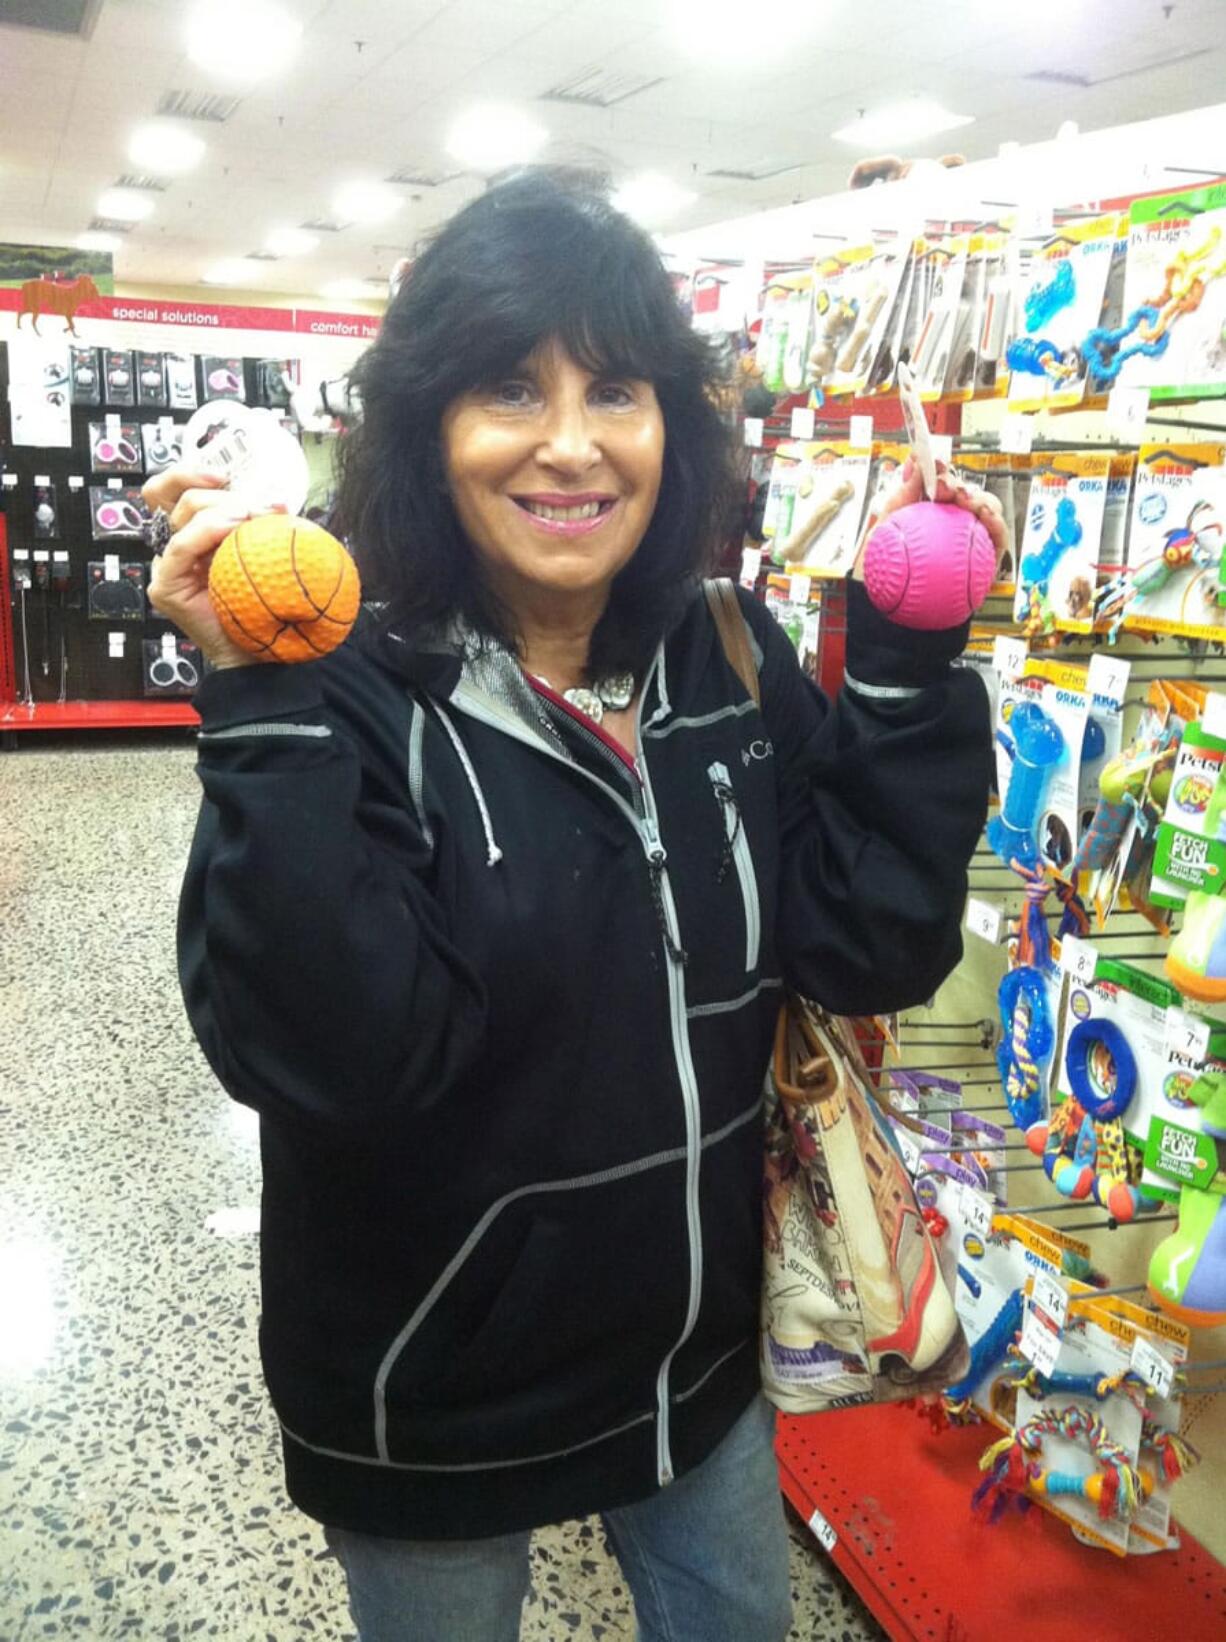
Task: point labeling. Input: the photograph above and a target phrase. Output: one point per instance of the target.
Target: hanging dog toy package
(1062, 305)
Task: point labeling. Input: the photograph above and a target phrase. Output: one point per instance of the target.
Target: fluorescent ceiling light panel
(651, 199)
(366, 202)
(290, 242)
(231, 271)
(165, 148)
(907, 122)
(242, 41)
(124, 205)
(492, 136)
(94, 240)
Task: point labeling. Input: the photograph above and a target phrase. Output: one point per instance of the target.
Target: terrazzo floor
(140, 1482)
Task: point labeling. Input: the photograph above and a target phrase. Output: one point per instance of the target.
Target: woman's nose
(569, 443)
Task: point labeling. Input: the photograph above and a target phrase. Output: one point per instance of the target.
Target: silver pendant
(617, 691)
(587, 701)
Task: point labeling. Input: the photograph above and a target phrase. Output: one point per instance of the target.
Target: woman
(498, 969)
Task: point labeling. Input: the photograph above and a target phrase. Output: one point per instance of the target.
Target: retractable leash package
(86, 368)
(1172, 336)
(163, 444)
(116, 512)
(114, 446)
(120, 377)
(170, 666)
(115, 591)
(46, 512)
(181, 381)
(221, 378)
(1058, 571)
(151, 380)
(1062, 306)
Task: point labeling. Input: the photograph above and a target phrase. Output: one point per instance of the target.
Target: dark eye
(613, 394)
(512, 393)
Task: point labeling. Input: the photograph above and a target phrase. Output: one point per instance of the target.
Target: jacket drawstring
(727, 799)
(493, 853)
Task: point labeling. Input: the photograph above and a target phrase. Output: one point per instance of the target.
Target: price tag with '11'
(1154, 1367)
(983, 919)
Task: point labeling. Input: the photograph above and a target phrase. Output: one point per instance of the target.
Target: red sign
(317, 323)
(216, 316)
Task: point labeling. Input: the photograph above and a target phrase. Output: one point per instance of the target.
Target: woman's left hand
(910, 488)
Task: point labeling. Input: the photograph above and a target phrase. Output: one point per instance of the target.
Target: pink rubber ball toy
(929, 565)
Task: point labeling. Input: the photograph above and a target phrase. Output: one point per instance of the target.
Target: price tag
(755, 431)
(76, 482)
(168, 646)
(42, 555)
(800, 588)
(751, 566)
(166, 428)
(983, 919)
(1078, 959)
(1107, 676)
(42, 478)
(60, 557)
(110, 567)
(860, 432)
(821, 1530)
(1154, 1367)
(114, 484)
(1187, 1035)
(1009, 657)
(1127, 412)
(1050, 1296)
(113, 427)
(1043, 1323)
(803, 419)
(10, 481)
(115, 643)
(942, 448)
(1017, 434)
(975, 1209)
(1035, 219)
(1213, 719)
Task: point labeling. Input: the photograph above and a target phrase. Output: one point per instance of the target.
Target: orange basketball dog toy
(284, 589)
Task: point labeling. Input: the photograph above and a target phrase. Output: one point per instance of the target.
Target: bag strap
(733, 632)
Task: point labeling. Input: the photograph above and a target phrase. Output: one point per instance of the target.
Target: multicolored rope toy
(1014, 1471)
(1028, 1043)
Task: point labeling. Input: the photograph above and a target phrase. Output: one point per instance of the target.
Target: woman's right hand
(202, 514)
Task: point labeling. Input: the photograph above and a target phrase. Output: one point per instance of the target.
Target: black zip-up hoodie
(506, 1021)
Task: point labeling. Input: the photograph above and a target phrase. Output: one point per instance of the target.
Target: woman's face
(554, 474)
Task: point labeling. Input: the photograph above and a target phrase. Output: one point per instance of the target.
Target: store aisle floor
(140, 1478)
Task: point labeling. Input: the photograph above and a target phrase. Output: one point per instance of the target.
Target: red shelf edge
(96, 715)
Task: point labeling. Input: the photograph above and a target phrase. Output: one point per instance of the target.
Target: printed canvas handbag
(855, 1306)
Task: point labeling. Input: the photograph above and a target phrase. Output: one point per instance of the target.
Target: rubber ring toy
(1103, 1098)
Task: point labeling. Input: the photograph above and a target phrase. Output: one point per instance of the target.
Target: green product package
(1185, 1156)
(1189, 855)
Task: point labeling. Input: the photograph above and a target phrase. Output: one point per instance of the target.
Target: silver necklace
(613, 694)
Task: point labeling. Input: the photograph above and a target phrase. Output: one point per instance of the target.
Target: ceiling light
(231, 271)
(900, 123)
(165, 148)
(366, 202)
(94, 240)
(124, 205)
(650, 198)
(290, 242)
(350, 290)
(242, 40)
(493, 136)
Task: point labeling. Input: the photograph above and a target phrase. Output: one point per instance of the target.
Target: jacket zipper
(647, 828)
(742, 860)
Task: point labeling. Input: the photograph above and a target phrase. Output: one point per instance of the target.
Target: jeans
(706, 1560)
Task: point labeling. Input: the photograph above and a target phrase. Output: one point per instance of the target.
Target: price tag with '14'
(983, 919)
(975, 1209)
(1046, 1311)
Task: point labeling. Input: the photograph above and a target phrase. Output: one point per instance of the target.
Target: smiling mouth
(564, 515)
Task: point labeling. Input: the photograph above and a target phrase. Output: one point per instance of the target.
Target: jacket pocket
(738, 854)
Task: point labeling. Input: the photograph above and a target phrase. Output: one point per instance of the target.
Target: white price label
(975, 1209)
(168, 646)
(113, 426)
(42, 478)
(1017, 434)
(60, 556)
(110, 567)
(1035, 219)
(1107, 676)
(822, 1531)
(983, 919)
(1187, 1035)
(41, 555)
(1078, 959)
(1050, 1296)
(755, 431)
(1213, 719)
(1009, 657)
(803, 419)
(800, 588)
(751, 566)
(114, 484)
(1154, 1367)
(1040, 1343)
(10, 481)
(1127, 412)
(115, 643)
(860, 432)
(942, 448)
(76, 482)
